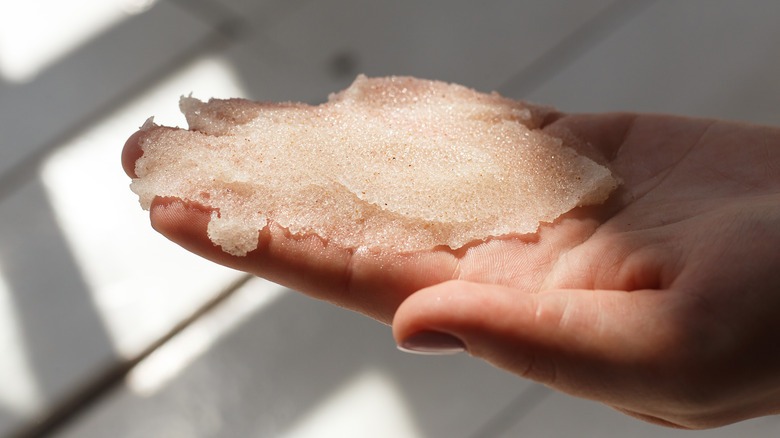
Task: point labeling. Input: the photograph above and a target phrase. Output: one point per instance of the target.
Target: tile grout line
(80, 401)
(572, 46)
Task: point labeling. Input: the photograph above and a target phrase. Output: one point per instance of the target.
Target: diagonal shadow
(59, 327)
(102, 74)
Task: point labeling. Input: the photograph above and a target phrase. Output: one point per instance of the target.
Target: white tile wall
(698, 57)
(87, 283)
(93, 77)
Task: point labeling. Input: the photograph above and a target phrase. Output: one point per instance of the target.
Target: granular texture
(397, 163)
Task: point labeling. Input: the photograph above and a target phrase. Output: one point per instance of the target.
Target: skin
(662, 303)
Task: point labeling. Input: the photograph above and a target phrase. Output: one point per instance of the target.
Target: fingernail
(430, 342)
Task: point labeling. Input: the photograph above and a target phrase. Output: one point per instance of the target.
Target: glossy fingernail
(430, 342)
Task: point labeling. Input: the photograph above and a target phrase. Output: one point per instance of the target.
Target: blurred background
(107, 329)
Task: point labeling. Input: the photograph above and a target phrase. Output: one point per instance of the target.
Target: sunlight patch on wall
(19, 391)
(141, 283)
(36, 34)
(368, 405)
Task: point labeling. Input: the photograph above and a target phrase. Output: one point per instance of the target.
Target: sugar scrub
(398, 163)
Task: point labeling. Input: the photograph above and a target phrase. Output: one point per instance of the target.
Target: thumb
(566, 339)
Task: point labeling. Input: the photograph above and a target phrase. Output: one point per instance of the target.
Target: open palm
(663, 302)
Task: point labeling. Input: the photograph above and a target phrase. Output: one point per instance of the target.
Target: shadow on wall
(298, 364)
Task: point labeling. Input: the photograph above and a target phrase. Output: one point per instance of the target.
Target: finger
(581, 342)
(651, 354)
(131, 152)
(371, 282)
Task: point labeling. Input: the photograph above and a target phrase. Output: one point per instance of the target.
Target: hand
(663, 303)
